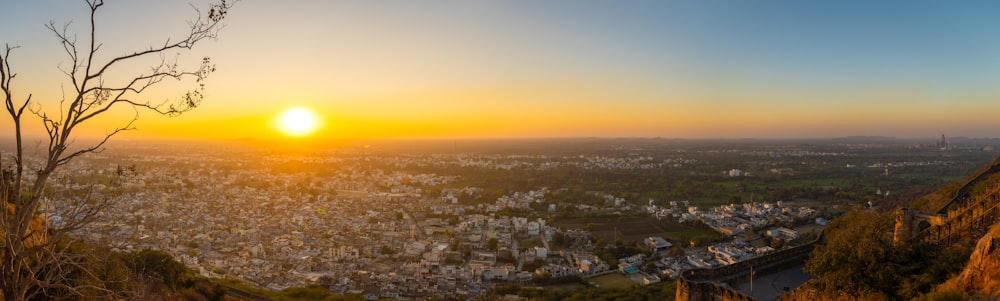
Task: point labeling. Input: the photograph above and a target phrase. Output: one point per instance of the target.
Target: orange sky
(398, 69)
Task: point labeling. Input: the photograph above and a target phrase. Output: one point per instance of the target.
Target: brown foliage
(980, 279)
(37, 225)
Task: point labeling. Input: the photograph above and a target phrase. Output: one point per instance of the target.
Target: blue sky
(713, 69)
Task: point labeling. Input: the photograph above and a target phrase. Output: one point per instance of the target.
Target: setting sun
(298, 122)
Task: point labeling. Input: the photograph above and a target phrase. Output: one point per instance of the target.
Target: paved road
(419, 230)
(768, 287)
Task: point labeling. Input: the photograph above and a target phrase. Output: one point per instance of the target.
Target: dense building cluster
(365, 223)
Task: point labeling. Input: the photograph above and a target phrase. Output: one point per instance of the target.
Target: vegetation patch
(633, 229)
(312, 292)
(663, 291)
(613, 280)
(860, 260)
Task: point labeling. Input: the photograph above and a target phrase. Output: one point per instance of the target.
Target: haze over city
(488, 150)
(524, 69)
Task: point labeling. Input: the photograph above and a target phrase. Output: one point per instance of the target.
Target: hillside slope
(937, 201)
(980, 279)
(864, 264)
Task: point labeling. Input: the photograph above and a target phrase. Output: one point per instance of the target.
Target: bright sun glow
(298, 122)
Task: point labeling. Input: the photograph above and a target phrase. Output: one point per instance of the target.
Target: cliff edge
(980, 279)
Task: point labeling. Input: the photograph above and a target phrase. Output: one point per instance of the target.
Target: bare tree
(36, 259)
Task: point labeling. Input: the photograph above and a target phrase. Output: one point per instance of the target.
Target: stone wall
(710, 284)
(708, 290)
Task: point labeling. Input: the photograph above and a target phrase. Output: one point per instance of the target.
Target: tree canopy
(859, 260)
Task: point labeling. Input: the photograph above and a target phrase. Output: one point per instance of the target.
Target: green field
(613, 280)
(809, 228)
(636, 228)
(567, 287)
(529, 243)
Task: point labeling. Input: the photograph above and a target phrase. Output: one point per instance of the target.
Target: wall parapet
(710, 284)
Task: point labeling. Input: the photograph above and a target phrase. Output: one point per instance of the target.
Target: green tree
(860, 259)
(778, 243)
(559, 239)
(855, 259)
(492, 243)
(159, 265)
(541, 277)
(767, 239)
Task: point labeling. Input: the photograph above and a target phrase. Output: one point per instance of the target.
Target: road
(769, 286)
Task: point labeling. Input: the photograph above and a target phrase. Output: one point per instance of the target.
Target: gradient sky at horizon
(504, 69)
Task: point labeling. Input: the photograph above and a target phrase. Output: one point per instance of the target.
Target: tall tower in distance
(943, 144)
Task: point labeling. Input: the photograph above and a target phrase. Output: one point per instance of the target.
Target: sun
(298, 122)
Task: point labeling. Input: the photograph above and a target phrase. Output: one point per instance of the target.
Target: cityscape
(375, 222)
(228, 150)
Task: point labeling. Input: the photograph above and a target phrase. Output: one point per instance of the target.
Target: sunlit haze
(499, 149)
(511, 69)
(298, 122)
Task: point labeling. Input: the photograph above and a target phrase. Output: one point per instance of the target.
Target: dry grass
(980, 279)
(37, 225)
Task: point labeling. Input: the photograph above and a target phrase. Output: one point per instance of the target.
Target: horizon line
(312, 140)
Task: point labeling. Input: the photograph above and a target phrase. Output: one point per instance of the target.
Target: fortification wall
(969, 219)
(963, 193)
(709, 284)
(708, 290)
(961, 214)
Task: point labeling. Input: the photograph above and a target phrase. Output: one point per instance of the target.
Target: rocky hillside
(980, 279)
(860, 262)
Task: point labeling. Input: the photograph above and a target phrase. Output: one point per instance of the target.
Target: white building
(657, 244)
(533, 228)
(541, 252)
(785, 233)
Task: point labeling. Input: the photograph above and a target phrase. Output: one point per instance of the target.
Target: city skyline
(521, 69)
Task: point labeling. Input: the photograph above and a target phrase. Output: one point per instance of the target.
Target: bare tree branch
(99, 145)
(37, 259)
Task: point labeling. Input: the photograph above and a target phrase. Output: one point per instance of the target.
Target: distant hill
(865, 139)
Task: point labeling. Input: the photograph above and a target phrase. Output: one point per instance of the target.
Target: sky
(535, 69)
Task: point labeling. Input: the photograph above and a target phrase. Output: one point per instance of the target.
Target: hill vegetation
(664, 291)
(860, 260)
(155, 275)
(936, 200)
(980, 279)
